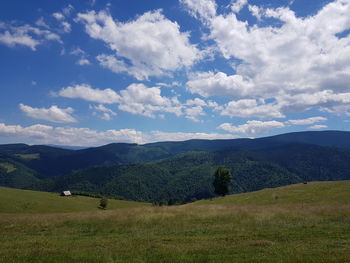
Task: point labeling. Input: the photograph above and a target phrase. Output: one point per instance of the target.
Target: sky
(88, 73)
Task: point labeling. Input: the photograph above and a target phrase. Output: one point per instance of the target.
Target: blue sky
(94, 72)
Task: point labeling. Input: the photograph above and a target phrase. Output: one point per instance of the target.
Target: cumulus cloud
(40, 22)
(52, 114)
(202, 9)
(247, 108)
(83, 61)
(140, 99)
(83, 56)
(196, 102)
(61, 18)
(209, 84)
(150, 45)
(238, 5)
(85, 92)
(192, 113)
(299, 62)
(25, 35)
(67, 28)
(307, 121)
(106, 112)
(58, 16)
(183, 136)
(252, 127)
(45, 134)
(318, 127)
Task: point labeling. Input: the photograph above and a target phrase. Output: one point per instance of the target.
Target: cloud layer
(301, 63)
(45, 134)
(150, 45)
(52, 114)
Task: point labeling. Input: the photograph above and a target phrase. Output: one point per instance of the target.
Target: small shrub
(103, 203)
(275, 196)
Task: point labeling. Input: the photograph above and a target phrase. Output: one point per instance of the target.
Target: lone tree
(222, 181)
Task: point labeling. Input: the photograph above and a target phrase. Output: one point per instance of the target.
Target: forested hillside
(177, 172)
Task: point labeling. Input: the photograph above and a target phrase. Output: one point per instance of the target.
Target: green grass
(29, 156)
(26, 201)
(9, 167)
(229, 229)
(336, 193)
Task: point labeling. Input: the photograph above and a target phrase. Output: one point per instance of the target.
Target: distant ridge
(178, 171)
(67, 147)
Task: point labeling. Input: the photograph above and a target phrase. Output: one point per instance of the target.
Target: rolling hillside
(177, 172)
(312, 193)
(25, 201)
(306, 223)
(50, 161)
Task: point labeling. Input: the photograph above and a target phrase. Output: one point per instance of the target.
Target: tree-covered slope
(171, 171)
(178, 179)
(189, 175)
(50, 161)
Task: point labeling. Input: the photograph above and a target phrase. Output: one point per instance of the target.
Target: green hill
(189, 175)
(26, 201)
(178, 172)
(313, 193)
(304, 224)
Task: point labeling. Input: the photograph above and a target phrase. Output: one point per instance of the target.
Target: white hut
(66, 193)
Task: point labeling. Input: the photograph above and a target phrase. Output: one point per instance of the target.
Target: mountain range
(176, 172)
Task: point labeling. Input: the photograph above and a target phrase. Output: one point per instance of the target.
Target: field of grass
(303, 224)
(29, 156)
(34, 202)
(9, 167)
(315, 193)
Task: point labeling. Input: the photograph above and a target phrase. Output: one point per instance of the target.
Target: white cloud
(68, 10)
(192, 113)
(83, 56)
(58, 16)
(256, 11)
(52, 114)
(307, 121)
(61, 18)
(139, 99)
(77, 52)
(238, 5)
(202, 9)
(44, 134)
(326, 100)
(83, 61)
(66, 27)
(318, 127)
(169, 85)
(209, 84)
(85, 92)
(41, 22)
(183, 136)
(252, 127)
(106, 112)
(152, 44)
(298, 58)
(247, 108)
(196, 102)
(25, 35)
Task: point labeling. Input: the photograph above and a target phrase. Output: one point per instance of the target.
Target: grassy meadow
(34, 202)
(297, 223)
